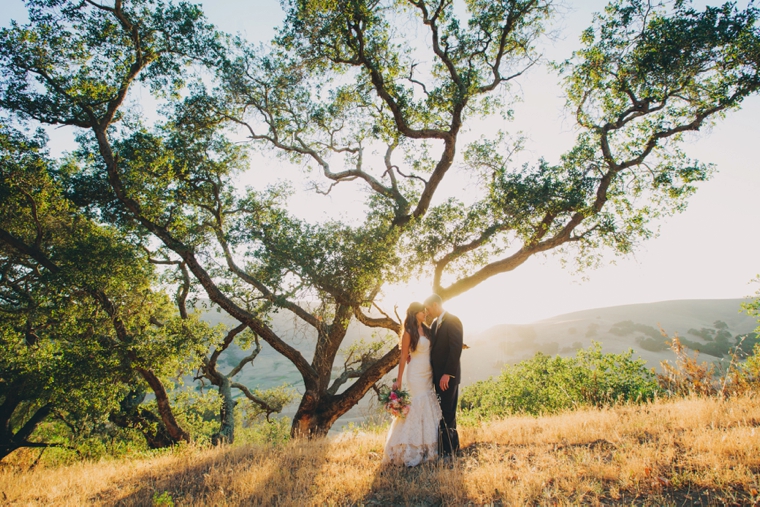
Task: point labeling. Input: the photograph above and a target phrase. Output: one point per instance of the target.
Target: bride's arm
(402, 360)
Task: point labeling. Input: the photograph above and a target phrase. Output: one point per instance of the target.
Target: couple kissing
(429, 367)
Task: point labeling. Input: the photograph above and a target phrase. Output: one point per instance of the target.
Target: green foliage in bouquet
(546, 385)
(396, 401)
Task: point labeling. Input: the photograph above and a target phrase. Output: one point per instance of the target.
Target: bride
(414, 439)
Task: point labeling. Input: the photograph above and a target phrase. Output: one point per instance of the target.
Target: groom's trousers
(449, 399)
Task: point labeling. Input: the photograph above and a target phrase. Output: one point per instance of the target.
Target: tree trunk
(318, 411)
(9, 441)
(9, 405)
(146, 422)
(316, 422)
(310, 420)
(226, 433)
(164, 408)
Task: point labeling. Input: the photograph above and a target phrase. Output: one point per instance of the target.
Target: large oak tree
(376, 93)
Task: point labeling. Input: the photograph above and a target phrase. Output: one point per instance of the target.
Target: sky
(708, 252)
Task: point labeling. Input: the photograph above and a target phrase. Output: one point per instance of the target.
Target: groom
(445, 350)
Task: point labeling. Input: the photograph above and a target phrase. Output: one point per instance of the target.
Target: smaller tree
(269, 402)
(80, 323)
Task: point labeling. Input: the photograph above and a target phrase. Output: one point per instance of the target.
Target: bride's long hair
(410, 325)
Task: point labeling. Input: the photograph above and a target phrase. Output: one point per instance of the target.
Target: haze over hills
(705, 323)
(709, 325)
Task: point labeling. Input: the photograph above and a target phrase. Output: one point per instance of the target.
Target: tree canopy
(82, 323)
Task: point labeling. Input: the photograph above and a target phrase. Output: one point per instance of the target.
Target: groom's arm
(456, 338)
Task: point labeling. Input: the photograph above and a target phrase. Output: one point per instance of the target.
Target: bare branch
(258, 401)
(411, 176)
(229, 337)
(247, 359)
(385, 322)
(183, 291)
(411, 79)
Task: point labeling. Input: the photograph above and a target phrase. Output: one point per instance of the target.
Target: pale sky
(708, 252)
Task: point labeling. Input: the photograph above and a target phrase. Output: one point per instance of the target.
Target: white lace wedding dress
(414, 439)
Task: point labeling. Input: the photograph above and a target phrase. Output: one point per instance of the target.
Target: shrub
(273, 431)
(741, 377)
(545, 385)
(686, 376)
(163, 500)
(690, 377)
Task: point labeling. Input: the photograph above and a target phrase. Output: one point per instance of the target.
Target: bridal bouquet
(396, 401)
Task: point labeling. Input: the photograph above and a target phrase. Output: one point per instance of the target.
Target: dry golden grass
(686, 452)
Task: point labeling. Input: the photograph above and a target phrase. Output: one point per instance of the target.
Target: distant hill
(705, 324)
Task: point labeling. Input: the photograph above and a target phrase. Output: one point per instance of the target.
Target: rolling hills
(617, 328)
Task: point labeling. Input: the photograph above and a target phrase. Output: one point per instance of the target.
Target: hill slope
(617, 328)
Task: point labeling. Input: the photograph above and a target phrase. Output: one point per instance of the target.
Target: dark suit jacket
(446, 349)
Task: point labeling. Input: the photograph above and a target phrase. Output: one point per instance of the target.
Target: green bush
(274, 431)
(546, 385)
(163, 500)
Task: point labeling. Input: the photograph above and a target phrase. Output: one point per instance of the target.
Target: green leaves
(547, 385)
(651, 70)
(342, 262)
(79, 309)
(74, 62)
(468, 58)
(276, 398)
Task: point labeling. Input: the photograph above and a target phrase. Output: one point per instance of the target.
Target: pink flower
(394, 396)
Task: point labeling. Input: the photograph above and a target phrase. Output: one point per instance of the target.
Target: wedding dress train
(414, 439)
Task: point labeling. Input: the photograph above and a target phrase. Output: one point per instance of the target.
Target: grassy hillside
(685, 452)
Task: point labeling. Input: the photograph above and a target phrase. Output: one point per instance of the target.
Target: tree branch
(269, 295)
(28, 428)
(384, 322)
(247, 359)
(231, 334)
(258, 401)
(371, 375)
(460, 250)
(342, 379)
